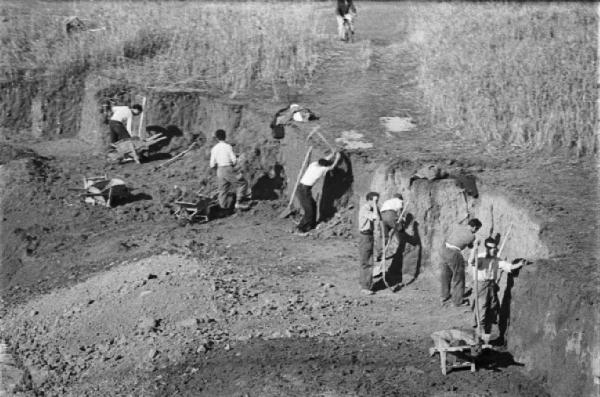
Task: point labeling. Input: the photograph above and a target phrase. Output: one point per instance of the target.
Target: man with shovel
(315, 171)
(367, 216)
(452, 274)
(121, 120)
(486, 276)
(223, 158)
(391, 216)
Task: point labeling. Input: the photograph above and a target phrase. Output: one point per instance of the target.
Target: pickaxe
(316, 131)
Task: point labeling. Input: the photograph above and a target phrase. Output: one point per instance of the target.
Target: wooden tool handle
(476, 289)
(304, 163)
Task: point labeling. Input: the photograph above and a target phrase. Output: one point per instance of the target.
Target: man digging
(367, 216)
(452, 274)
(487, 274)
(223, 158)
(121, 120)
(315, 171)
(391, 211)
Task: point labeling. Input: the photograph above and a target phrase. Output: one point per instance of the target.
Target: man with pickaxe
(315, 171)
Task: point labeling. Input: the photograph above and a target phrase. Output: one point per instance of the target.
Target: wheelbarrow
(199, 211)
(132, 149)
(100, 190)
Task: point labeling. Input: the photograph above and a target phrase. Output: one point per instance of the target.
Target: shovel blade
(285, 213)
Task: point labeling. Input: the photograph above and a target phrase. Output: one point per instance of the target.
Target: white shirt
(313, 173)
(366, 218)
(487, 268)
(123, 115)
(222, 155)
(393, 204)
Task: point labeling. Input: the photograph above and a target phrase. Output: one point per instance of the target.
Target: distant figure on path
(452, 274)
(344, 9)
(223, 158)
(120, 121)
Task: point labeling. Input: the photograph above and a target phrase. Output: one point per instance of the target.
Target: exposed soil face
(124, 301)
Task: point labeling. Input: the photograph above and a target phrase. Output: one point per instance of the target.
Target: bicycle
(348, 28)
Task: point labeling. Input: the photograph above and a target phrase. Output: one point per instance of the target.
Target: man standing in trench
(368, 214)
(391, 210)
(120, 121)
(223, 158)
(313, 173)
(452, 275)
(487, 274)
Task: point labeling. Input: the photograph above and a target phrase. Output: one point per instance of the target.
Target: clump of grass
(519, 74)
(186, 44)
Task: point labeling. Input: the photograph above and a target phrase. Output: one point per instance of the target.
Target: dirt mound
(9, 152)
(25, 180)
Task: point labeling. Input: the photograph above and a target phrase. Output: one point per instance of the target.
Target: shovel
(288, 210)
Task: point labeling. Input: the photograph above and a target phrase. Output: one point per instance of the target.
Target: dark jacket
(344, 7)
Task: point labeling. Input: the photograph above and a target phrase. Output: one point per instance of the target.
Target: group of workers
(452, 262)
(390, 217)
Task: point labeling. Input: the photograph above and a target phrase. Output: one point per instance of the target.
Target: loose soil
(125, 301)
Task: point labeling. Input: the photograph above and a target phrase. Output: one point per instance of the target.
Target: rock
(152, 354)
(152, 276)
(188, 323)
(201, 349)
(33, 313)
(147, 324)
(144, 293)
(38, 375)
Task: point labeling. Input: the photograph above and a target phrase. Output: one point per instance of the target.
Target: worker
(120, 121)
(452, 275)
(391, 212)
(487, 274)
(368, 214)
(344, 10)
(313, 173)
(223, 158)
(286, 115)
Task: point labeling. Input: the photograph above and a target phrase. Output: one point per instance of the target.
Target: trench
(554, 334)
(549, 324)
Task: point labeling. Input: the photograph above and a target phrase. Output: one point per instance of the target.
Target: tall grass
(187, 44)
(518, 74)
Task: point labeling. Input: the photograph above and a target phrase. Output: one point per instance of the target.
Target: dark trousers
(117, 131)
(452, 275)
(309, 206)
(365, 249)
(489, 305)
(227, 181)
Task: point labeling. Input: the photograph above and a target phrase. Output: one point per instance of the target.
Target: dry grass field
(517, 74)
(228, 46)
(514, 73)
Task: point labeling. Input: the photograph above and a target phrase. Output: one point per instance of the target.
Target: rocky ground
(248, 310)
